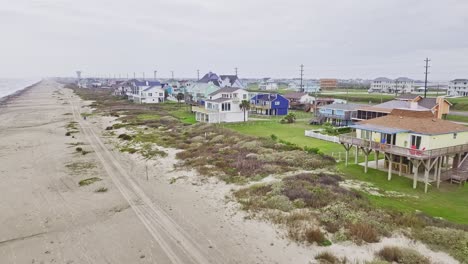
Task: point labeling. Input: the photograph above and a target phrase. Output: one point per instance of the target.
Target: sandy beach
(148, 213)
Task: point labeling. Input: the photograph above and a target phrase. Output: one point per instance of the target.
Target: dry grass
(402, 256)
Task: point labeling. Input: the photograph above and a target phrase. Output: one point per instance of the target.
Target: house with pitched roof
(222, 106)
(414, 144)
(439, 106)
(211, 82)
(269, 104)
(140, 89)
(299, 98)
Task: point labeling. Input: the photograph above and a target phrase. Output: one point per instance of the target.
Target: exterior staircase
(460, 174)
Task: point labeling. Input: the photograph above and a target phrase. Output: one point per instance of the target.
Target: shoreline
(6, 99)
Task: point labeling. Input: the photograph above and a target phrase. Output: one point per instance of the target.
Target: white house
(386, 85)
(268, 85)
(223, 106)
(301, 98)
(149, 92)
(458, 87)
(150, 95)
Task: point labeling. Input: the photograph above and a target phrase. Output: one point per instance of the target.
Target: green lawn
(458, 118)
(459, 104)
(293, 133)
(449, 202)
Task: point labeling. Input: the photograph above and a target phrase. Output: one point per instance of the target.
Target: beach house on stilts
(415, 144)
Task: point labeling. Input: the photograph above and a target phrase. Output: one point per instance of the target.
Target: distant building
(222, 106)
(299, 98)
(269, 104)
(385, 85)
(328, 84)
(145, 92)
(268, 85)
(458, 87)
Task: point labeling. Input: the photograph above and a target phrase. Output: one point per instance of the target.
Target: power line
(302, 76)
(427, 60)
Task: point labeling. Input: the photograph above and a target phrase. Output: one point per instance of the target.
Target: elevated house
(337, 114)
(385, 85)
(458, 87)
(269, 104)
(414, 144)
(222, 106)
(268, 85)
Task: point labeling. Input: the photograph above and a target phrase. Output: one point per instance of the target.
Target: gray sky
(332, 38)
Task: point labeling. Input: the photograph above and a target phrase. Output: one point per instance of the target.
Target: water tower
(78, 75)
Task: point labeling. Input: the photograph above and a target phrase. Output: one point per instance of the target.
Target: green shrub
(402, 255)
(125, 137)
(363, 232)
(311, 150)
(274, 137)
(89, 181)
(314, 235)
(454, 242)
(279, 202)
(102, 189)
(327, 258)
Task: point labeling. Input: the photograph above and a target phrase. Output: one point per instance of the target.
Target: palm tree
(179, 97)
(244, 106)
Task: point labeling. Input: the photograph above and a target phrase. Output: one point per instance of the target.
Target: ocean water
(10, 85)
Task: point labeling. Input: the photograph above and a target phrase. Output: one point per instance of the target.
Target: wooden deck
(401, 151)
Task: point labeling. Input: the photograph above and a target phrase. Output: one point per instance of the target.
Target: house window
(454, 135)
(226, 107)
(150, 94)
(365, 134)
(277, 103)
(235, 95)
(244, 96)
(416, 141)
(161, 94)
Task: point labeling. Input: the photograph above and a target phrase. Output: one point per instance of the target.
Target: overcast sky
(332, 38)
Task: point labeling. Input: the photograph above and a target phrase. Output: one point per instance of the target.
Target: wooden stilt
(401, 165)
(389, 157)
(439, 171)
(366, 152)
(376, 160)
(356, 156)
(426, 174)
(416, 164)
(436, 169)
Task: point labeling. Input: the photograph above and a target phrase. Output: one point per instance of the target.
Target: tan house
(413, 143)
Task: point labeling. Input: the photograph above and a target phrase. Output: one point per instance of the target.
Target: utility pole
(302, 76)
(127, 76)
(198, 75)
(143, 76)
(235, 69)
(172, 73)
(396, 87)
(427, 60)
(155, 75)
(134, 75)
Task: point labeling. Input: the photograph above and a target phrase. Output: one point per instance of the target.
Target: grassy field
(293, 133)
(450, 202)
(458, 118)
(459, 104)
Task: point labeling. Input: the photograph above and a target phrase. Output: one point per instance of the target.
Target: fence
(310, 133)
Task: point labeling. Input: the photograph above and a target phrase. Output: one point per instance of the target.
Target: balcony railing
(402, 151)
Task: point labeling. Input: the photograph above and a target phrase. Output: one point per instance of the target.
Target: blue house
(269, 104)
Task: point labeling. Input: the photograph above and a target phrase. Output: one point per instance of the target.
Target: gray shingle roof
(407, 97)
(428, 103)
(383, 79)
(346, 107)
(398, 104)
